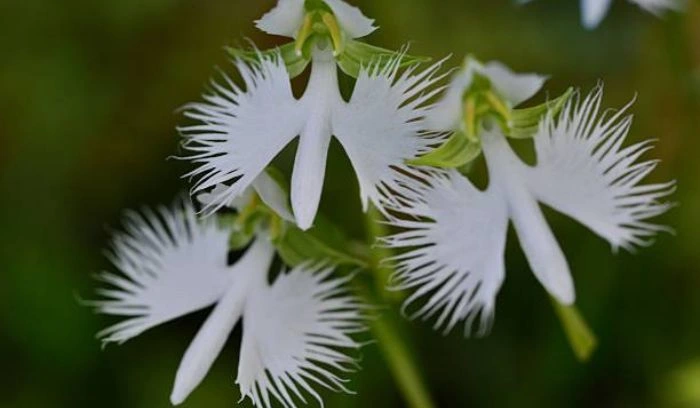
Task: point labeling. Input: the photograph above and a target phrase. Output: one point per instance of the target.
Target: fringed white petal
(593, 12)
(586, 172)
(239, 202)
(284, 19)
(456, 237)
(248, 274)
(239, 132)
(269, 191)
(294, 333)
(170, 264)
(382, 126)
(353, 22)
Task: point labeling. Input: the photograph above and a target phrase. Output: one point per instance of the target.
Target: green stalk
(403, 368)
(382, 272)
(386, 328)
(581, 338)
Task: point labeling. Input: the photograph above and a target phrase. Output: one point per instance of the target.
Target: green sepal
(581, 338)
(239, 238)
(295, 63)
(458, 151)
(525, 122)
(323, 242)
(358, 54)
(316, 5)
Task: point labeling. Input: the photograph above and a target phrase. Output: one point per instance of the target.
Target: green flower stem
(382, 272)
(402, 366)
(581, 338)
(386, 327)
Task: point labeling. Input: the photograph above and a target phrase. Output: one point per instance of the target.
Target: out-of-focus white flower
(594, 11)
(172, 264)
(239, 132)
(456, 234)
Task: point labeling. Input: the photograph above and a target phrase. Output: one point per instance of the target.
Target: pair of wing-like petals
(239, 132)
(455, 234)
(173, 264)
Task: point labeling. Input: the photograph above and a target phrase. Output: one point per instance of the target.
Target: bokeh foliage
(88, 93)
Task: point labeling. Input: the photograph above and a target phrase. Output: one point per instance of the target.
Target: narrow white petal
(456, 235)
(170, 264)
(309, 172)
(514, 87)
(585, 172)
(237, 133)
(351, 19)
(247, 273)
(541, 248)
(293, 335)
(273, 195)
(593, 11)
(284, 19)
(382, 125)
(321, 95)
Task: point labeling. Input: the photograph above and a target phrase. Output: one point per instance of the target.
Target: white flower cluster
(410, 154)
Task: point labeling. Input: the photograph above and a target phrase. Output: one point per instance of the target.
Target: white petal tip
(177, 397)
(303, 213)
(591, 24)
(567, 298)
(181, 390)
(593, 12)
(304, 224)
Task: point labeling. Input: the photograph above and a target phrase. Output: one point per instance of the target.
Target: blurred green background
(88, 92)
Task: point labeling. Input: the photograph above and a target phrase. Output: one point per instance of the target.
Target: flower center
(482, 105)
(320, 26)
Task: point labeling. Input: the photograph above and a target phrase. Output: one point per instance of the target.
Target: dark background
(88, 91)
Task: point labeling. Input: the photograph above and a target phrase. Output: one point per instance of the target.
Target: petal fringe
(294, 334)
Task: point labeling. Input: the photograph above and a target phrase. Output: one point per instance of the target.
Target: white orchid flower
(239, 132)
(456, 234)
(594, 11)
(173, 264)
(288, 18)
